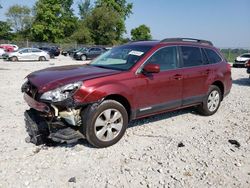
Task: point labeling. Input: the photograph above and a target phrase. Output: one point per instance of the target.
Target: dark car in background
(73, 52)
(89, 53)
(53, 51)
(66, 52)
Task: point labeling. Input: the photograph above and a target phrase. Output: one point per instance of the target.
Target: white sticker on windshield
(137, 53)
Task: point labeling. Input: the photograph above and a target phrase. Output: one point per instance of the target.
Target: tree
(84, 8)
(54, 20)
(82, 34)
(141, 33)
(120, 6)
(5, 31)
(19, 17)
(104, 25)
(122, 10)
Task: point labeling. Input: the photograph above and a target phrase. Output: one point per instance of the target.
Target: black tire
(42, 58)
(83, 57)
(204, 107)
(14, 58)
(92, 113)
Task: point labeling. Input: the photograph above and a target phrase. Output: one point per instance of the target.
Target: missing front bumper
(42, 132)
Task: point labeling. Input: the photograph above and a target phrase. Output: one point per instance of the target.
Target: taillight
(247, 63)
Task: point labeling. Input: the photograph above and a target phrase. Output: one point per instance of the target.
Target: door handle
(178, 77)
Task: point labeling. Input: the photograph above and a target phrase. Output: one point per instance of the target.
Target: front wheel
(83, 57)
(212, 102)
(14, 58)
(105, 124)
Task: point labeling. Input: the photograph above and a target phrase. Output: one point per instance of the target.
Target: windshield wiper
(108, 67)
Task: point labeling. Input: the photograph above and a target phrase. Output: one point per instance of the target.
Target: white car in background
(241, 60)
(27, 54)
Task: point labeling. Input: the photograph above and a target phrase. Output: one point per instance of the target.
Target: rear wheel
(105, 124)
(212, 102)
(42, 58)
(14, 58)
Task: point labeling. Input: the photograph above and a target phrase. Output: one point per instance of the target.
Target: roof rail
(187, 40)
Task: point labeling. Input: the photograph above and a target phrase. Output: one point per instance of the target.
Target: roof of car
(174, 41)
(144, 43)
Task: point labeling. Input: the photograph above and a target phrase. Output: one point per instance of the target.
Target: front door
(160, 91)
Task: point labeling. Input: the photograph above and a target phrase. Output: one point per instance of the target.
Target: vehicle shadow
(242, 81)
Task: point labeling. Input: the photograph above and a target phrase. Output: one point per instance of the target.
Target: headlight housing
(61, 93)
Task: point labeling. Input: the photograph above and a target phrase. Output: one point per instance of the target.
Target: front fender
(90, 95)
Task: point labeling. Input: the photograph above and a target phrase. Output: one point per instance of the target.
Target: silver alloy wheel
(213, 100)
(108, 125)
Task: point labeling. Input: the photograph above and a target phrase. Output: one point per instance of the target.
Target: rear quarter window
(213, 57)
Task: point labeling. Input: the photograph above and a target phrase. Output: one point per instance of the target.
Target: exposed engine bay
(46, 121)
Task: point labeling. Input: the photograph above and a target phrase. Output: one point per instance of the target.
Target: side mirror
(151, 68)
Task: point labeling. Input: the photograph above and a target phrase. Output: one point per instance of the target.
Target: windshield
(121, 58)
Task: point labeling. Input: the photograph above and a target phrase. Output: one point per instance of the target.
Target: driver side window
(165, 57)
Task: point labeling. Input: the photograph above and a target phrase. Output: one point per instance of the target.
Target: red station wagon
(135, 80)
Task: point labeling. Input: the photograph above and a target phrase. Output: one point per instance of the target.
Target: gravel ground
(176, 149)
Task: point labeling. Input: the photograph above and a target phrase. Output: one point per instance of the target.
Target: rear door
(160, 91)
(195, 71)
(35, 54)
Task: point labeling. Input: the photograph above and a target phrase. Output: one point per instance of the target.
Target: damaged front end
(53, 115)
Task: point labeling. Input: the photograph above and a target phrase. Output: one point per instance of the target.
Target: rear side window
(35, 50)
(213, 57)
(98, 49)
(191, 56)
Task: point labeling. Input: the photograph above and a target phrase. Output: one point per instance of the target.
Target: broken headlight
(61, 93)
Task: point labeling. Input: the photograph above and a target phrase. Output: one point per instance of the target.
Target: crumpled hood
(51, 78)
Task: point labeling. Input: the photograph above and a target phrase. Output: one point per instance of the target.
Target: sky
(225, 22)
